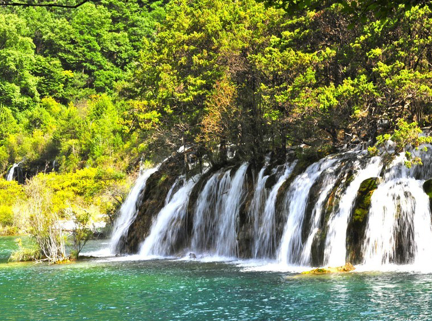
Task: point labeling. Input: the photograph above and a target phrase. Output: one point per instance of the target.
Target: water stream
(232, 218)
(265, 239)
(169, 223)
(335, 250)
(129, 209)
(11, 173)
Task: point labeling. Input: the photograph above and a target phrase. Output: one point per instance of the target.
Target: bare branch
(22, 4)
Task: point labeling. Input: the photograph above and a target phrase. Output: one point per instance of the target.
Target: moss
(363, 200)
(348, 267)
(357, 225)
(427, 187)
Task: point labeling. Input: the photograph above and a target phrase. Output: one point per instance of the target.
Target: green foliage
(406, 136)
(83, 197)
(18, 87)
(10, 193)
(27, 251)
(42, 221)
(207, 74)
(380, 9)
(82, 231)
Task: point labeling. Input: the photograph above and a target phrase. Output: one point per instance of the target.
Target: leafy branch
(408, 135)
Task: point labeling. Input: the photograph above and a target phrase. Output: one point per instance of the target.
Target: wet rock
(245, 230)
(195, 194)
(310, 205)
(151, 201)
(427, 187)
(359, 216)
(271, 181)
(344, 177)
(281, 217)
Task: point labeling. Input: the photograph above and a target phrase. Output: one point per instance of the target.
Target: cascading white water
(204, 220)
(398, 207)
(171, 190)
(11, 172)
(164, 231)
(399, 227)
(128, 210)
(259, 197)
(216, 214)
(265, 240)
(291, 244)
(318, 210)
(226, 237)
(335, 247)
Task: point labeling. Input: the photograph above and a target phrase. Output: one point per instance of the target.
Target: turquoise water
(7, 246)
(182, 290)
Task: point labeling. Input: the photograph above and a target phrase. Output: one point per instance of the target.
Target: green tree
(18, 87)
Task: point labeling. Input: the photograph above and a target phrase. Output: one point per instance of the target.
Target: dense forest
(87, 94)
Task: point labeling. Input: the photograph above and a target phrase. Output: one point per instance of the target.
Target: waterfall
(399, 227)
(317, 212)
(335, 249)
(204, 221)
(291, 244)
(265, 240)
(259, 197)
(216, 213)
(11, 172)
(226, 237)
(129, 210)
(165, 231)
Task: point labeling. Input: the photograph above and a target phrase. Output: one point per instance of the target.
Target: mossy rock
(427, 187)
(359, 215)
(348, 267)
(363, 200)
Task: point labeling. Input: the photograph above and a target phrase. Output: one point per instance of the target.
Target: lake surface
(127, 289)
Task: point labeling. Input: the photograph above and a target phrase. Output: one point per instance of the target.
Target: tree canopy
(98, 87)
(381, 9)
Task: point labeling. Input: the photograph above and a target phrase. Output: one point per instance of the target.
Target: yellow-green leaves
(407, 136)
